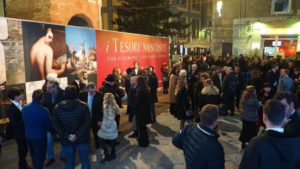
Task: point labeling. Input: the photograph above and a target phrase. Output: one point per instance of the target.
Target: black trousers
(108, 143)
(22, 152)
(228, 103)
(142, 138)
(95, 129)
(153, 115)
(38, 150)
(117, 118)
(238, 98)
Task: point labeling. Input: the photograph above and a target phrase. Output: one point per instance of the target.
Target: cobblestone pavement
(160, 154)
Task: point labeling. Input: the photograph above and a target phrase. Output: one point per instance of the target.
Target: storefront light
(255, 45)
(258, 26)
(219, 7)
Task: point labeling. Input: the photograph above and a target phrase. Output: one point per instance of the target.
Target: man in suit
(80, 81)
(217, 78)
(286, 84)
(272, 76)
(17, 123)
(283, 151)
(292, 128)
(94, 100)
(137, 70)
(53, 96)
(153, 85)
(240, 86)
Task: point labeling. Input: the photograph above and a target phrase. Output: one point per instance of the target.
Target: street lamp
(219, 7)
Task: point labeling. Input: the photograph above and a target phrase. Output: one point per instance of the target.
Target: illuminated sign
(279, 31)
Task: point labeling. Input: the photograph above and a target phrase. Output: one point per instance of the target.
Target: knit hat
(182, 73)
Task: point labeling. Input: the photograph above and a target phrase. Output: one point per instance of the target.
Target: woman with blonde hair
(108, 131)
(209, 94)
(182, 99)
(250, 107)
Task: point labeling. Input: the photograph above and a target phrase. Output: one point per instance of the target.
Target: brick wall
(55, 11)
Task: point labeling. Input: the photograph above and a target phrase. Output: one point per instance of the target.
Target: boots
(98, 155)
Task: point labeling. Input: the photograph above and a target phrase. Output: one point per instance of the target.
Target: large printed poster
(120, 50)
(44, 50)
(81, 52)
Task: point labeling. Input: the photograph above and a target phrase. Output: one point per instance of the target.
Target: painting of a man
(41, 55)
(44, 50)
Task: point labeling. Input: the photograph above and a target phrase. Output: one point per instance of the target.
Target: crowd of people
(264, 92)
(70, 114)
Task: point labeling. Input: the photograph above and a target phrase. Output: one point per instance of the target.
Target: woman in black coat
(209, 95)
(143, 114)
(182, 99)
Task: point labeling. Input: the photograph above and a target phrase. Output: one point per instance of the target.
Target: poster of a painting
(31, 86)
(81, 52)
(3, 36)
(281, 6)
(44, 50)
(12, 66)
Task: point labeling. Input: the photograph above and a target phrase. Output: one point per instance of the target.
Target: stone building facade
(86, 13)
(253, 27)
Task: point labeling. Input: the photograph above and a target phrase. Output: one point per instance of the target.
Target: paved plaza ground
(160, 154)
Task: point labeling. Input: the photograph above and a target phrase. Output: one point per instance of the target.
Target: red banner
(116, 49)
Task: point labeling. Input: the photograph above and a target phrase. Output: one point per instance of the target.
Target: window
(281, 6)
(195, 28)
(196, 5)
(182, 3)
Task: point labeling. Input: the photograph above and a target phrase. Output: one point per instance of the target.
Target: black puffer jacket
(201, 147)
(272, 151)
(72, 117)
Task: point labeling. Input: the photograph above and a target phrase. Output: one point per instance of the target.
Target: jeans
(83, 150)
(37, 150)
(50, 144)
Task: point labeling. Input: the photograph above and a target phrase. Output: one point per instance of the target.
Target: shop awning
(198, 44)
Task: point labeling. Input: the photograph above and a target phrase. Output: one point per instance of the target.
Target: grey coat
(250, 109)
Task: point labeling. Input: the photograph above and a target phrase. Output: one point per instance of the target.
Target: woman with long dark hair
(143, 115)
(173, 77)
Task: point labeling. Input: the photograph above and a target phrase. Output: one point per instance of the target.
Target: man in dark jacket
(272, 77)
(217, 78)
(53, 96)
(17, 123)
(111, 87)
(240, 86)
(37, 122)
(72, 120)
(131, 105)
(229, 90)
(153, 85)
(200, 142)
(273, 150)
(94, 100)
(292, 128)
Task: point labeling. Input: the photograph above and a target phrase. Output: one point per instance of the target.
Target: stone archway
(80, 20)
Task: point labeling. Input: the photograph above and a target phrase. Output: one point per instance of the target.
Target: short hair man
(53, 96)
(94, 100)
(286, 84)
(72, 120)
(272, 150)
(16, 120)
(37, 122)
(292, 128)
(200, 142)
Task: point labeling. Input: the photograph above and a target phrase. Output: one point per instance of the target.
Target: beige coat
(172, 86)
